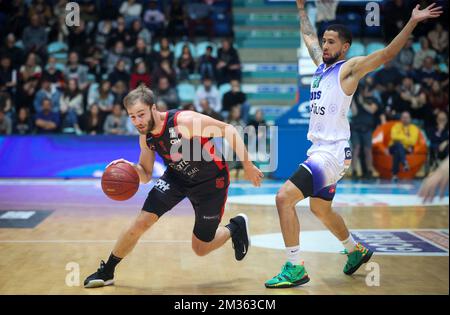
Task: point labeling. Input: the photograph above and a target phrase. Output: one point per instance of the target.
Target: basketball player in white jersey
(332, 88)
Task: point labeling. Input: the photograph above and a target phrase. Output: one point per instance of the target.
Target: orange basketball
(120, 181)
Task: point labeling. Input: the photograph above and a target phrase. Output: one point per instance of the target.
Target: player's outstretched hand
(429, 12)
(119, 161)
(300, 4)
(253, 174)
(436, 180)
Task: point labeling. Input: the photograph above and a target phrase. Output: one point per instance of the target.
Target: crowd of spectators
(117, 46)
(414, 85)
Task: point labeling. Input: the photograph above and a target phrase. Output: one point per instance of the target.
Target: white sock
(293, 254)
(349, 244)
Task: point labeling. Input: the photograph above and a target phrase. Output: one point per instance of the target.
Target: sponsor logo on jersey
(220, 183)
(162, 185)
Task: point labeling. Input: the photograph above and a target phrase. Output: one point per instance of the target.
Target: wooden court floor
(83, 227)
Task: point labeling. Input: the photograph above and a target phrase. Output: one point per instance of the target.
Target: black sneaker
(100, 278)
(241, 237)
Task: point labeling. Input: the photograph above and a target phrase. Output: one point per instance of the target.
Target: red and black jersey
(192, 160)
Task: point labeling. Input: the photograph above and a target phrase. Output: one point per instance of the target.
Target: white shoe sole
(99, 283)
(247, 227)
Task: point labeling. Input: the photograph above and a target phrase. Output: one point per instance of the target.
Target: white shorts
(328, 162)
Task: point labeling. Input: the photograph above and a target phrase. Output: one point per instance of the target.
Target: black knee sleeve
(303, 180)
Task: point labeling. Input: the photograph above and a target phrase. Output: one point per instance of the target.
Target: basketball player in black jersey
(194, 170)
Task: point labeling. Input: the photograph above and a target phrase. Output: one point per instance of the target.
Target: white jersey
(329, 106)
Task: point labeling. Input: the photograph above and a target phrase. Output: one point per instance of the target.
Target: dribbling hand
(253, 174)
(119, 161)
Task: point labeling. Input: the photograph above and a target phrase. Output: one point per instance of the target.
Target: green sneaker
(290, 276)
(356, 258)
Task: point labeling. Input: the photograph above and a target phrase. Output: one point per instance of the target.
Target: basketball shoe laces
(359, 247)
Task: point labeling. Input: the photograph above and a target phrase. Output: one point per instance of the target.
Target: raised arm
(192, 124)
(358, 67)
(309, 34)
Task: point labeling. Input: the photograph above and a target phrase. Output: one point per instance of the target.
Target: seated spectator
(199, 14)
(256, 122)
(92, 121)
(6, 104)
(165, 69)
(177, 19)
(31, 69)
(119, 33)
(119, 73)
(167, 94)
(14, 53)
(130, 9)
(208, 91)
(233, 97)
(119, 91)
(102, 37)
(34, 36)
(405, 58)
(229, 65)
(164, 52)
(404, 136)
(115, 55)
(423, 52)
(89, 14)
(77, 71)
(140, 75)
(78, 38)
(427, 74)
(387, 78)
(412, 99)
(22, 125)
(54, 75)
(29, 76)
(47, 122)
(208, 111)
(8, 75)
(102, 97)
(137, 31)
(154, 19)
(42, 10)
(5, 123)
(186, 64)
(71, 105)
(207, 64)
(93, 60)
(437, 97)
(142, 53)
(438, 136)
(234, 118)
(439, 38)
(116, 122)
(47, 91)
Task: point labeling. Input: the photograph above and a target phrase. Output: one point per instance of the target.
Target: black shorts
(208, 199)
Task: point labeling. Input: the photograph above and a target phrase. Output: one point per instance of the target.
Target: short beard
(331, 60)
(150, 126)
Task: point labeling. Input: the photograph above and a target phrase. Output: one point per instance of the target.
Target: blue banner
(66, 156)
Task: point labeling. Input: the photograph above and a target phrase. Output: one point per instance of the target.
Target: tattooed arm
(309, 34)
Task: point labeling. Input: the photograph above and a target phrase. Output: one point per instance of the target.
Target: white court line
(88, 182)
(85, 241)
